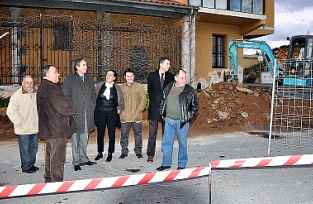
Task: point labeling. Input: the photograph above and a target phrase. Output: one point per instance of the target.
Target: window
(234, 5)
(218, 53)
(247, 6)
(139, 61)
(195, 2)
(60, 37)
(208, 3)
(221, 4)
(258, 7)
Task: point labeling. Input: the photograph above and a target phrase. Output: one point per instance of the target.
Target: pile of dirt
(223, 106)
(281, 52)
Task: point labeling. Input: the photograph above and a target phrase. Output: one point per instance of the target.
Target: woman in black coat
(109, 105)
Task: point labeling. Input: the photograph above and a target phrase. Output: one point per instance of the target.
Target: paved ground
(265, 185)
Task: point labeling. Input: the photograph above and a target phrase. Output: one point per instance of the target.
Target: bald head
(28, 83)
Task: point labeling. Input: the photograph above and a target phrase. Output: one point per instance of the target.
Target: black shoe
(179, 168)
(77, 167)
(161, 168)
(89, 163)
(123, 156)
(109, 158)
(139, 156)
(31, 170)
(99, 156)
(34, 168)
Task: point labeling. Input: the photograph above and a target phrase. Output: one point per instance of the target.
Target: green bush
(4, 102)
(147, 101)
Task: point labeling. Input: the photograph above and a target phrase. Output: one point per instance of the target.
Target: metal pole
(210, 188)
(272, 108)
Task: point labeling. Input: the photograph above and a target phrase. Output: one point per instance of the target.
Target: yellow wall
(270, 13)
(204, 34)
(250, 60)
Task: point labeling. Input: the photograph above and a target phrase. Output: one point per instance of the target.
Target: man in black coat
(156, 82)
(179, 106)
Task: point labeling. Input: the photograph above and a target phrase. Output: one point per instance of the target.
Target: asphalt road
(262, 185)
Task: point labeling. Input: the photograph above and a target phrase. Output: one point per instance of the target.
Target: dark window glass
(234, 5)
(218, 53)
(60, 37)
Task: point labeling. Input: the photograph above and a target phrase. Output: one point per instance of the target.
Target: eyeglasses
(28, 83)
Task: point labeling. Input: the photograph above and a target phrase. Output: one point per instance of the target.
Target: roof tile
(171, 2)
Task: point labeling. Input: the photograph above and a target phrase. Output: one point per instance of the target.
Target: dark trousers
(153, 130)
(137, 127)
(55, 159)
(108, 120)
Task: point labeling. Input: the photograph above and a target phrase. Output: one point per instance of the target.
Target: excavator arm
(251, 44)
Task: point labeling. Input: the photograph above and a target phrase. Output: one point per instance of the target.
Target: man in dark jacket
(156, 82)
(79, 88)
(56, 123)
(179, 106)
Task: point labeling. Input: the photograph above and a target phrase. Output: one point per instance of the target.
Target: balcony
(245, 6)
(247, 14)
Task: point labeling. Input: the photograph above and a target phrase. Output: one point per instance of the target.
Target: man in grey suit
(79, 88)
(156, 82)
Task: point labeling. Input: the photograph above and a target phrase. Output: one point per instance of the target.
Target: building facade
(122, 34)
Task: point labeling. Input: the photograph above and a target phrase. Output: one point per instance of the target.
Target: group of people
(53, 114)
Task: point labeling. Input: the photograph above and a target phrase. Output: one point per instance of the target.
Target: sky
(292, 17)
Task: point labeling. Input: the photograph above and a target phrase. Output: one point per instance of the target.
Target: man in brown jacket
(135, 102)
(56, 123)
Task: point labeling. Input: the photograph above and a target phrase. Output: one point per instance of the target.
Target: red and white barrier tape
(293, 160)
(102, 183)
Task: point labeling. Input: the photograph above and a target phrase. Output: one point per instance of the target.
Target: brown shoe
(150, 159)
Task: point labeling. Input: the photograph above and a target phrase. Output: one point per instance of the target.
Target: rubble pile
(221, 105)
(281, 52)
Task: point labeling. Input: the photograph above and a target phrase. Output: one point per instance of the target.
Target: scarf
(107, 92)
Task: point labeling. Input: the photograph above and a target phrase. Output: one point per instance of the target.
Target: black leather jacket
(188, 102)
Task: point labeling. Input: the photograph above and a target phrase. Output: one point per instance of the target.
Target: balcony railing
(245, 6)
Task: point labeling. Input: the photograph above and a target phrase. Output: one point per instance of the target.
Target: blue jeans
(171, 128)
(28, 145)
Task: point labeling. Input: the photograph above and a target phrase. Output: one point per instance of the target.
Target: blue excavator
(295, 72)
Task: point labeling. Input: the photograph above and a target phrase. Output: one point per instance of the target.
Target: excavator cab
(298, 64)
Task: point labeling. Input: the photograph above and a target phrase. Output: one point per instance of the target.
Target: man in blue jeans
(22, 111)
(179, 106)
